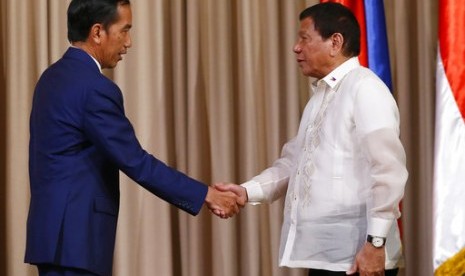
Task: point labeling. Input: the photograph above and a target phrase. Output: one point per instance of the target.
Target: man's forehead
(307, 25)
(124, 15)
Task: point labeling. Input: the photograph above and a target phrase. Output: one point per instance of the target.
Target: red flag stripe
(452, 47)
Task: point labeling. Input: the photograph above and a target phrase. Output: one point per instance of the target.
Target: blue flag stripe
(378, 50)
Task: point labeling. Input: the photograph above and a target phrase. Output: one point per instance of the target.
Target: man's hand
(233, 197)
(240, 192)
(222, 203)
(369, 261)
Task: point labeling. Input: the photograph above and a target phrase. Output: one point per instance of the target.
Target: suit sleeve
(110, 130)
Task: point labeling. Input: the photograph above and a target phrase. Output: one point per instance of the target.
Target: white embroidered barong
(343, 174)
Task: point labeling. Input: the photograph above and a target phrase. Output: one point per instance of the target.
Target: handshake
(225, 200)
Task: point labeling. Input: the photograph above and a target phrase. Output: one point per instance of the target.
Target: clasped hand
(225, 200)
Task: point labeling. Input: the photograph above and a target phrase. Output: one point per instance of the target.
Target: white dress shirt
(343, 174)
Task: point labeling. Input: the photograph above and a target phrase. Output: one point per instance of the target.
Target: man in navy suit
(80, 139)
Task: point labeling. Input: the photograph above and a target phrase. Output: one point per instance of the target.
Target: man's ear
(337, 41)
(96, 32)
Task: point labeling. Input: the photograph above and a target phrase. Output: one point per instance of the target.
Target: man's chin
(305, 73)
(110, 66)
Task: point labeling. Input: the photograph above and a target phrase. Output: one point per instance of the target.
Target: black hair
(330, 18)
(83, 14)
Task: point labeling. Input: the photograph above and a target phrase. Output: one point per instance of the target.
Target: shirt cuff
(254, 192)
(379, 227)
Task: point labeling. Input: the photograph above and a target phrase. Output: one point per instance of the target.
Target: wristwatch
(377, 242)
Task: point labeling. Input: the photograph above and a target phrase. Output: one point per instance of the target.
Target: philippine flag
(449, 160)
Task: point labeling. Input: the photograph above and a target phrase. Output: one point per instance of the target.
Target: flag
(449, 152)
(374, 51)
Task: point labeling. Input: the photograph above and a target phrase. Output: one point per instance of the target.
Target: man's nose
(128, 43)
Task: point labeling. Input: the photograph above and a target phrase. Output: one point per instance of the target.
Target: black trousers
(319, 272)
(54, 270)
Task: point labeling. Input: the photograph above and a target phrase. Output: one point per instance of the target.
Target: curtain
(213, 89)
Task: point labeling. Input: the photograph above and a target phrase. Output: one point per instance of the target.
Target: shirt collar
(98, 64)
(335, 76)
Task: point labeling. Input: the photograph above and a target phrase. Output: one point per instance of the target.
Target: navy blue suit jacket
(79, 140)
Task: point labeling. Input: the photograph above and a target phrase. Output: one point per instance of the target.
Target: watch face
(377, 242)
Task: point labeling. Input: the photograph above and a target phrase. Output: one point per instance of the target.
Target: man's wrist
(254, 192)
(379, 227)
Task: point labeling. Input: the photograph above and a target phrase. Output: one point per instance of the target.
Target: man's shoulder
(362, 80)
(79, 68)
(362, 72)
(70, 78)
(364, 76)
